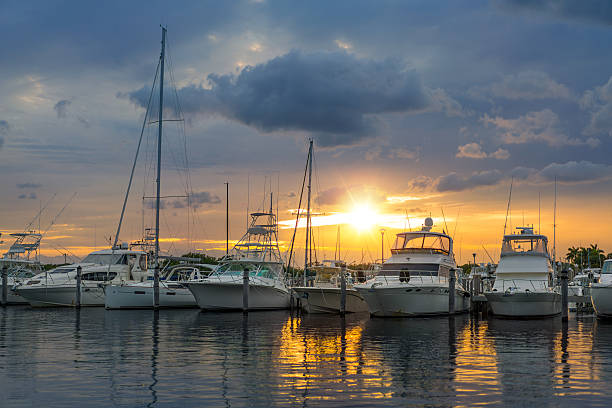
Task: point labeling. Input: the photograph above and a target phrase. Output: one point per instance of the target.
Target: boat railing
(522, 285)
(412, 276)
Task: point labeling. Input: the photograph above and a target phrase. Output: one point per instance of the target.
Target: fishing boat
(414, 281)
(172, 291)
(524, 278)
(57, 287)
(324, 296)
(601, 292)
(258, 254)
(21, 263)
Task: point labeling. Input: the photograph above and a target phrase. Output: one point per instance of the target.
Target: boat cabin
(526, 242)
(422, 242)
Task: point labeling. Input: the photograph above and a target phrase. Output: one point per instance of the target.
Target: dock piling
(451, 291)
(4, 285)
(564, 308)
(77, 302)
(245, 290)
(342, 290)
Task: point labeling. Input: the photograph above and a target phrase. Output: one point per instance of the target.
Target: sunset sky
(416, 108)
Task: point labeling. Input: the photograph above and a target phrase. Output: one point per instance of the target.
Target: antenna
(539, 223)
(508, 207)
(444, 218)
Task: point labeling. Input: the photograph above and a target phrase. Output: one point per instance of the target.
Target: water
(186, 358)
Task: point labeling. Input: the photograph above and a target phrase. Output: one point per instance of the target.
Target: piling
(156, 286)
(563, 276)
(4, 285)
(451, 291)
(79, 271)
(342, 290)
(245, 291)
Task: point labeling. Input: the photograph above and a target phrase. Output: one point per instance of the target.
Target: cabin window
(142, 263)
(422, 243)
(525, 245)
(106, 259)
(99, 276)
(62, 270)
(607, 268)
(407, 270)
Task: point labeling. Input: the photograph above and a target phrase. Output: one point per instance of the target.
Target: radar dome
(428, 222)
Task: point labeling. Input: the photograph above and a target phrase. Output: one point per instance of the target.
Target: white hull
(141, 297)
(220, 295)
(601, 296)
(401, 301)
(327, 300)
(531, 304)
(53, 296)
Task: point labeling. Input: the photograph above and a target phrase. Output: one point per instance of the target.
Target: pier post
(342, 289)
(245, 290)
(156, 286)
(4, 285)
(77, 302)
(451, 291)
(563, 276)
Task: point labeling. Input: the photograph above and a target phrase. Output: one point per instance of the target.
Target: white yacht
(21, 263)
(324, 296)
(57, 287)
(524, 278)
(172, 291)
(258, 253)
(601, 292)
(414, 281)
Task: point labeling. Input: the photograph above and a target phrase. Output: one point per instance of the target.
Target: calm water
(98, 358)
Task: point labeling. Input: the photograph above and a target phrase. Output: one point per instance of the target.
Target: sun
(363, 217)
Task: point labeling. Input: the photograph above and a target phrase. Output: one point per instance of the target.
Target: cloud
(598, 102)
(401, 153)
(526, 85)
(598, 11)
(196, 200)
(573, 172)
(31, 196)
(28, 185)
(456, 182)
(332, 195)
(4, 129)
(334, 96)
(61, 108)
(541, 126)
(474, 151)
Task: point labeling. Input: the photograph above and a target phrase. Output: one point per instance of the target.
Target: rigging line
(297, 218)
(508, 207)
(27, 228)
(127, 193)
(444, 218)
(59, 213)
(456, 223)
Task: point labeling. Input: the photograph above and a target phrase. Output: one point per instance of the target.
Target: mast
(226, 218)
(159, 146)
(555, 231)
(308, 211)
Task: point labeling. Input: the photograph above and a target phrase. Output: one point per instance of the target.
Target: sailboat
(324, 296)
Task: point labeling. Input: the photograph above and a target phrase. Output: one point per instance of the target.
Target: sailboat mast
(555, 231)
(308, 211)
(159, 147)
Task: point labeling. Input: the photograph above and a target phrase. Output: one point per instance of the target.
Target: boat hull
(524, 305)
(601, 297)
(327, 300)
(141, 297)
(61, 296)
(407, 301)
(228, 296)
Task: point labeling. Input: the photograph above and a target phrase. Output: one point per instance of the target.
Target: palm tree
(572, 255)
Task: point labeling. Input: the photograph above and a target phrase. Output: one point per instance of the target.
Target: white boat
(414, 281)
(172, 291)
(57, 287)
(601, 292)
(20, 263)
(325, 295)
(258, 253)
(524, 278)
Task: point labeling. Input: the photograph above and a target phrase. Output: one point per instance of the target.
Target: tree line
(587, 257)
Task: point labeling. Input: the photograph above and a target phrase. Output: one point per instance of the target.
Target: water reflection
(188, 358)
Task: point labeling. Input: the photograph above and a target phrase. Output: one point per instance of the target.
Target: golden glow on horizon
(363, 217)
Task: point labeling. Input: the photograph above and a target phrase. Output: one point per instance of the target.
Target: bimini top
(424, 242)
(526, 242)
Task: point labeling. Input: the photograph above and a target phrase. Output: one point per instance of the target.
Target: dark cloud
(456, 182)
(332, 195)
(574, 172)
(196, 200)
(4, 129)
(526, 85)
(28, 185)
(61, 108)
(31, 196)
(331, 95)
(599, 11)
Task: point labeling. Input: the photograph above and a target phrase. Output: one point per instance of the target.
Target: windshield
(607, 267)
(422, 243)
(236, 269)
(519, 245)
(106, 259)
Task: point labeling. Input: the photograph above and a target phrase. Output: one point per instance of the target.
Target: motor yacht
(172, 291)
(524, 278)
(21, 263)
(324, 295)
(57, 287)
(601, 292)
(257, 252)
(414, 281)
